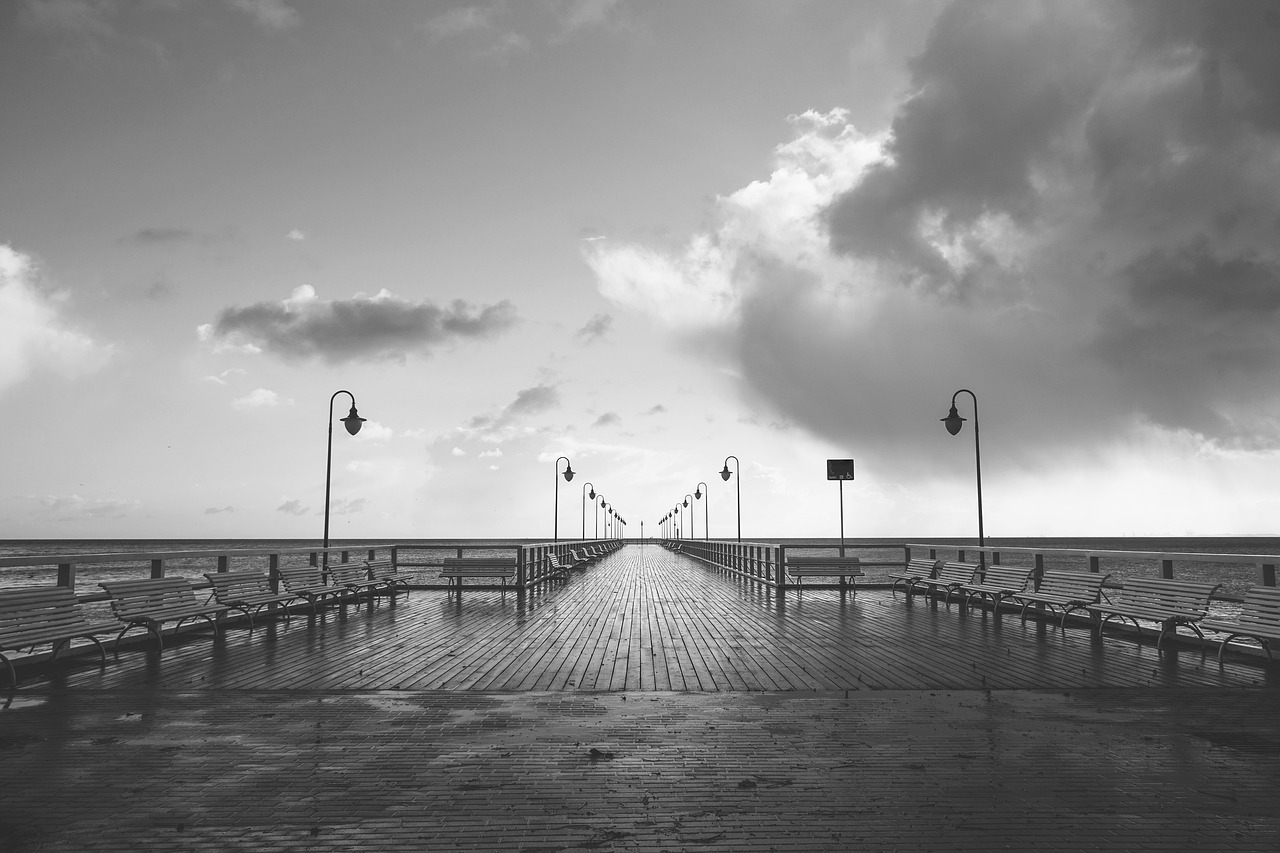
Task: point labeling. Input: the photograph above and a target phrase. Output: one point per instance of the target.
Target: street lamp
(584, 505)
(352, 422)
(954, 422)
(697, 493)
(595, 515)
(724, 475)
(568, 475)
(687, 500)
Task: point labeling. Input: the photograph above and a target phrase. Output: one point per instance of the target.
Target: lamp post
(352, 422)
(697, 493)
(688, 499)
(584, 505)
(724, 475)
(568, 475)
(608, 512)
(595, 516)
(954, 422)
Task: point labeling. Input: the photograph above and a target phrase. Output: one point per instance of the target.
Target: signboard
(839, 469)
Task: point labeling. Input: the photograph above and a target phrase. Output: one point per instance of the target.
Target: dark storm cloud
(361, 328)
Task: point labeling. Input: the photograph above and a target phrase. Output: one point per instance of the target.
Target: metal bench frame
(1068, 591)
(802, 566)
(248, 591)
(150, 603)
(35, 615)
(1259, 620)
(1169, 602)
(998, 583)
(457, 568)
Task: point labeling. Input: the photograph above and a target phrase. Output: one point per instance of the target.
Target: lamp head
(353, 421)
(602, 501)
(568, 471)
(953, 421)
(592, 494)
(724, 475)
(684, 502)
(697, 493)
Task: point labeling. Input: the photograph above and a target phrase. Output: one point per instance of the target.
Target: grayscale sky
(645, 236)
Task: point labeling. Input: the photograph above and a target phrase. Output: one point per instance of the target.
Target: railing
(533, 560)
(766, 562)
(1226, 567)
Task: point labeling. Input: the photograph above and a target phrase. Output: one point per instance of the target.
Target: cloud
(260, 398)
(607, 419)
(73, 506)
(363, 328)
(218, 510)
(270, 15)
(491, 453)
(458, 451)
(344, 506)
(459, 20)
(221, 378)
(372, 431)
(297, 234)
(87, 20)
(293, 507)
(1073, 212)
(656, 410)
(528, 403)
(34, 335)
(595, 329)
(160, 236)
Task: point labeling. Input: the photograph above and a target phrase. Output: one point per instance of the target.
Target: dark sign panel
(839, 469)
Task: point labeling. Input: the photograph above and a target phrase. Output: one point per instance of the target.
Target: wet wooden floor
(645, 619)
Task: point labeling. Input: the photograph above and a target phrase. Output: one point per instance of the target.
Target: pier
(646, 702)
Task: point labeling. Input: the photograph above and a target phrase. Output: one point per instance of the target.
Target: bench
(307, 582)
(915, 571)
(998, 583)
(385, 574)
(152, 602)
(1259, 619)
(354, 578)
(806, 566)
(1066, 591)
(583, 556)
(457, 568)
(34, 615)
(1169, 602)
(248, 591)
(562, 563)
(949, 577)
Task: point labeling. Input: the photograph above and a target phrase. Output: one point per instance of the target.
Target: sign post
(840, 470)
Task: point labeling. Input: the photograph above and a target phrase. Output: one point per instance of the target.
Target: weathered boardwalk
(559, 721)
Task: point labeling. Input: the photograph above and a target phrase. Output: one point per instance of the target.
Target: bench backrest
(46, 607)
(957, 572)
(479, 562)
(1182, 598)
(381, 569)
(1078, 586)
(345, 573)
(140, 597)
(922, 567)
(231, 584)
(1261, 607)
(822, 562)
(1006, 577)
(300, 577)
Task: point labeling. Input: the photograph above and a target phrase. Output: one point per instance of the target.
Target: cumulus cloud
(1073, 212)
(260, 398)
(35, 335)
(607, 419)
(595, 329)
(372, 431)
(362, 328)
(297, 234)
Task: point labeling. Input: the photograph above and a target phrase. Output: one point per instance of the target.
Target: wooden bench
(307, 582)
(801, 566)
(998, 583)
(948, 578)
(1169, 602)
(387, 576)
(152, 602)
(34, 615)
(247, 591)
(457, 568)
(584, 557)
(1259, 619)
(354, 578)
(915, 571)
(1066, 591)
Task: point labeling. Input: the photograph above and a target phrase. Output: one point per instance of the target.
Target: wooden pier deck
(646, 703)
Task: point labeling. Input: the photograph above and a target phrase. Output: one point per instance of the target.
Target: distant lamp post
(724, 475)
(954, 422)
(352, 422)
(584, 504)
(595, 515)
(568, 475)
(698, 493)
(688, 499)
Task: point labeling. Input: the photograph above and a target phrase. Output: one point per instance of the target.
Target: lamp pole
(568, 475)
(584, 505)
(688, 499)
(594, 515)
(352, 422)
(724, 475)
(706, 504)
(954, 422)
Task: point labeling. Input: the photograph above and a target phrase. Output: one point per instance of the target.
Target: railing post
(157, 568)
(1166, 569)
(223, 560)
(519, 567)
(1038, 573)
(1095, 564)
(273, 572)
(1267, 573)
(67, 575)
(781, 576)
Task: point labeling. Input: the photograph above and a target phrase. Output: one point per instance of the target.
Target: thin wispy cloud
(260, 398)
(607, 419)
(293, 507)
(270, 15)
(363, 328)
(595, 329)
(219, 510)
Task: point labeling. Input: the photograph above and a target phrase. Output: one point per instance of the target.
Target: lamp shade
(953, 420)
(724, 475)
(353, 421)
(568, 471)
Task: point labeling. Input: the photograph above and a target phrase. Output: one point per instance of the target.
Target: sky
(645, 237)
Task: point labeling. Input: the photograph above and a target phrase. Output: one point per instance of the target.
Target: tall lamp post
(688, 499)
(697, 493)
(595, 516)
(568, 475)
(352, 422)
(953, 423)
(584, 505)
(724, 475)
